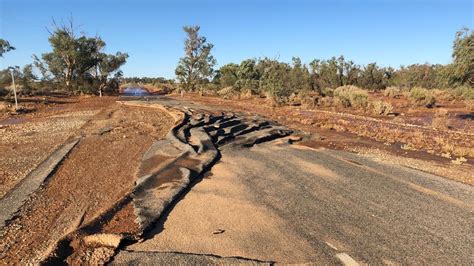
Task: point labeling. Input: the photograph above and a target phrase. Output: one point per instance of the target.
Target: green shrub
(463, 93)
(350, 95)
(381, 107)
(422, 97)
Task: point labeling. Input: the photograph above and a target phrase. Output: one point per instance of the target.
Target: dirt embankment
(92, 181)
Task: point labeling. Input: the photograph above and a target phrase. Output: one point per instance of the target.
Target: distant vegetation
(281, 81)
(76, 64)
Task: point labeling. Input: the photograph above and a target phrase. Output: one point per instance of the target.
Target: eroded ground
(98, 173)
(136, 174)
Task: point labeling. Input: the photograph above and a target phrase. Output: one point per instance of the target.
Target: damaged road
(231, 188)
(278, 201)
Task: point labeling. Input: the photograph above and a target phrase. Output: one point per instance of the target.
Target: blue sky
(389, 32)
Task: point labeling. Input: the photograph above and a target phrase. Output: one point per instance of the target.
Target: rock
(218, 231)
(103, 240)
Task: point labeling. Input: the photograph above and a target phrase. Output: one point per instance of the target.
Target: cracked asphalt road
(276, 202)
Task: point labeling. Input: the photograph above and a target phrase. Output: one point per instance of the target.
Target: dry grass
(440, 119)
(351, 96)
(470, 105)
(228, 93)
(381, 107)
(422, 97)
(392, 92)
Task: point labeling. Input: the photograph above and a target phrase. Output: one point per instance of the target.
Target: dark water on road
(135, 91)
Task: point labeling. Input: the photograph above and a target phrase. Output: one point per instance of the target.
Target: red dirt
(98, 173)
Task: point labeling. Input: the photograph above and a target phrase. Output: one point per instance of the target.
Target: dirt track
(97, 174)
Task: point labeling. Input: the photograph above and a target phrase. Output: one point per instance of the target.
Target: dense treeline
(280, 80)
(76, 64)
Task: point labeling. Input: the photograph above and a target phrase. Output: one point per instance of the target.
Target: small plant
(422, 97)
(392, 92)
(309, 98)
(381, 108)
(327, 92)
(350, 95)
(326, 101)
(459, 160)
(440, 119)
(408, 147)
(470, 105)
(246, 94)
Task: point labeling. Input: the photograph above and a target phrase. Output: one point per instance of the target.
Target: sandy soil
(27, 139)
(97, 175)
(220, 208)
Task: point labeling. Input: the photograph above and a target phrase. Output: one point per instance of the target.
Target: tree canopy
(196, 67)
(5, 47)
(78, 62)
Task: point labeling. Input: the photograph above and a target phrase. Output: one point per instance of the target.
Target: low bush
(326, 101)
(228, 93)
(309, 98)
(422, 97)
(443, 95)
(351, 96)
(381, 108)
(440, 119)
(392, 92)
(327, 92)
(470, 105)
(246, 94)
(463, 93)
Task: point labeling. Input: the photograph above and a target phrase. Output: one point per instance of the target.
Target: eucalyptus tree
(108, 65)
(78, 62)
(197, 64)
(463, 57)
(5, 47)
(228, 74)
(71, 56)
